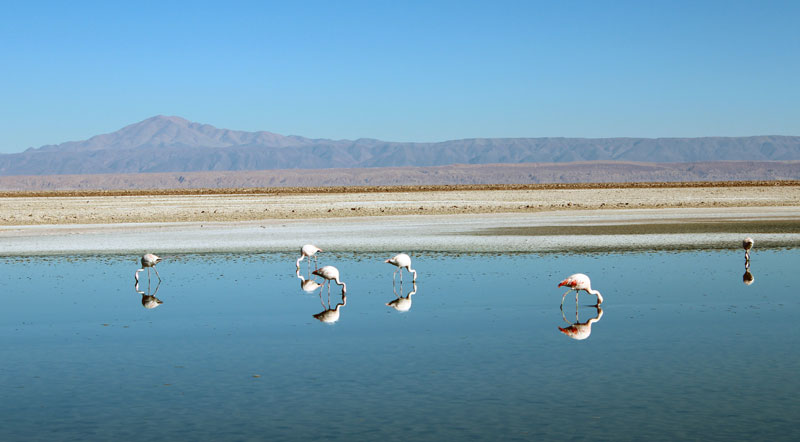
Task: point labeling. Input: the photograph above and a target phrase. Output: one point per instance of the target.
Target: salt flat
(498, 232)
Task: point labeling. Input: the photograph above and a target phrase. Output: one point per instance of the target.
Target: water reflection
(748, 277)
(149, 300)
(580, 330)
(330, 315)
(307, 285)
(402, 303)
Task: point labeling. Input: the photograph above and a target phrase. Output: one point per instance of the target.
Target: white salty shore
(411, 233)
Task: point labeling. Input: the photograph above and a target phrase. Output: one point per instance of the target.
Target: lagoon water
(683, 349)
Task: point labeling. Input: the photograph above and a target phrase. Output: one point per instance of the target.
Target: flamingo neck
(596, 293)
(297, 264)
(414, 272)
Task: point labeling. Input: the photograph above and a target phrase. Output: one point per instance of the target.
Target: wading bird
(330, 273)
(579, 282)
(747, 244)
(401, 260)
(148, 260)
(310, 251)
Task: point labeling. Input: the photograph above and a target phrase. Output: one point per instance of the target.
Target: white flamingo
(148, 260)
(579, 282)
(747, 244)
(401, 260)
(330, 273)
(310, 251)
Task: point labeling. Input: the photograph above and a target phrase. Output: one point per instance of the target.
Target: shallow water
(683, 349)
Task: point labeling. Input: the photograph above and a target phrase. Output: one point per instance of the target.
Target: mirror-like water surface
(245, 347)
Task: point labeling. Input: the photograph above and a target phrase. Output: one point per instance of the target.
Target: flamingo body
(330, 273)
(308, 250)
(148, 260)
(747, 244)
(401, 261)
(579, 282)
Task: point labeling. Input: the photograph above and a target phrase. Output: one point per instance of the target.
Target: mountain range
(173, 144)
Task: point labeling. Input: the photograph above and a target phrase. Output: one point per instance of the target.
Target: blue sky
(402, 71)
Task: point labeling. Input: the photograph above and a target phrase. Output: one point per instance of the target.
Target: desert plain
(475, 218)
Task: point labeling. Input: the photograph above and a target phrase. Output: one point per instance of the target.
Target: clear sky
(401, 70)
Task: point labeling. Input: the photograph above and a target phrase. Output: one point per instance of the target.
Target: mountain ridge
(174, 144)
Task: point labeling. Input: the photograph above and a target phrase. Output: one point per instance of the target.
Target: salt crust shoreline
(410, 233)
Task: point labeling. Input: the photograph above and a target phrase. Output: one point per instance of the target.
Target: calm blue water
(683, 350)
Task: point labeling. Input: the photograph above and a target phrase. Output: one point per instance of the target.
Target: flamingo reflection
(402, 303)
(307, 285)
(747, 278)
(330, 315)
(580, 330)
(149, 301)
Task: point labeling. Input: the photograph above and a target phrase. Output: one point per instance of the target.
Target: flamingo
(403, 303)
(580, 330)
(148, 260)
(310, 251)
(330, 273)
(747, 244)
(331, 315)
(579, 282)
(401, 260)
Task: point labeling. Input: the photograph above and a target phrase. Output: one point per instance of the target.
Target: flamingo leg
(563, 297)
(395, 275)
(320, 297)
(159, 276)
(329, 294)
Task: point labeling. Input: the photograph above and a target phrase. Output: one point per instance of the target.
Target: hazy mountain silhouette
(173, 144)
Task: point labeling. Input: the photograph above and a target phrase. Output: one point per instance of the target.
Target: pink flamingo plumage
(579, 282)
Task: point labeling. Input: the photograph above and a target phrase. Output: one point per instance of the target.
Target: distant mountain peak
(164, 131)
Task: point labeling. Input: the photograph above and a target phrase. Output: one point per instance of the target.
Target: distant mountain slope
(527, 173)
(173, 144)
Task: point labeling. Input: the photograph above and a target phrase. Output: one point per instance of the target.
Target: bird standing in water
(747, 244)
(310, 251)
(148, 260)
(330, 273)
(401, 260)
(579, 282)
